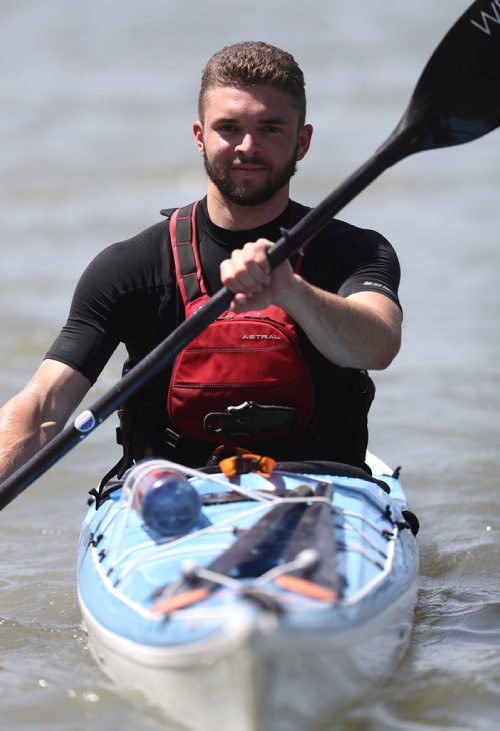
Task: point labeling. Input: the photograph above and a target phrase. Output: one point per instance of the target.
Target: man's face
(250, 141)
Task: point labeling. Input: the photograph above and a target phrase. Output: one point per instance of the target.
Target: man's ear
(305, 135)
(198, 136)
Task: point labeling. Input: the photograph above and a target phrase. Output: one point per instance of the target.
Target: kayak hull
(269, 661)
(247, 675)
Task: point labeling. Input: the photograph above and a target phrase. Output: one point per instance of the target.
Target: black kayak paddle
(456, 100)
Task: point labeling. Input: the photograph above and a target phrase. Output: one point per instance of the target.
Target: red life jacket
(244, 376)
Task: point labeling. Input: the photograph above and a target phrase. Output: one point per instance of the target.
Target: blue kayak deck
(125, 572)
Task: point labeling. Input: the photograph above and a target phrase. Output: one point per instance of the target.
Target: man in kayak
(337, 304)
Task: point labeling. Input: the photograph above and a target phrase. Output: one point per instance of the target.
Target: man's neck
(233, 217)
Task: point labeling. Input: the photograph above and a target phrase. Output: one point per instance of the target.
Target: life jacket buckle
(248, 419)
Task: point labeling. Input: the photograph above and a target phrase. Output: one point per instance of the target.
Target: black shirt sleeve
(345, 259)
(374, 266)
(124, 295)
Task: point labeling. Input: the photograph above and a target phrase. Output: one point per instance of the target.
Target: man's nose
(248, 143)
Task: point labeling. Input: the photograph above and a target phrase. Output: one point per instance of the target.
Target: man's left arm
(362, 330)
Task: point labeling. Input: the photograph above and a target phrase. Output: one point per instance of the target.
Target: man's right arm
(38, 412)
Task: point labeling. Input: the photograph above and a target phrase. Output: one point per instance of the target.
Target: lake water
(97, 99)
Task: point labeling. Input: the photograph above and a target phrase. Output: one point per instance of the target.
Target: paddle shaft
(463, 72)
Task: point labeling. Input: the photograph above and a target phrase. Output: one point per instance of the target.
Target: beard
(247, 194)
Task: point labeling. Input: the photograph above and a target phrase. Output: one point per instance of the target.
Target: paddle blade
(457, 98)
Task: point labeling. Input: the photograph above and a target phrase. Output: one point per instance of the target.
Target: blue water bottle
(166, 500)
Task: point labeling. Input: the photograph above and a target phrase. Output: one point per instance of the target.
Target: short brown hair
(252, 63)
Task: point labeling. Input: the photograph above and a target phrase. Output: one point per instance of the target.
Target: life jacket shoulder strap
(186, 254)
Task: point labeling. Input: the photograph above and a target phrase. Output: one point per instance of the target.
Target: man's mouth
(248, 167)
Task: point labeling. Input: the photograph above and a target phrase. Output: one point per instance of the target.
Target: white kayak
(289, 598)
